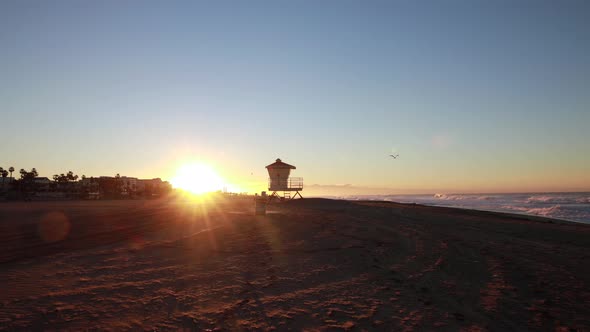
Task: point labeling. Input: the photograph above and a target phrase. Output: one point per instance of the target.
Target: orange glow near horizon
(197, 178)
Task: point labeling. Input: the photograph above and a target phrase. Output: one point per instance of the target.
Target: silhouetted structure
(30, 186)
(279, 180)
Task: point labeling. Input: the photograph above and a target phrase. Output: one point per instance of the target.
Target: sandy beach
(310, 264)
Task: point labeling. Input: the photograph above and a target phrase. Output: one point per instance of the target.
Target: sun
(197, 178)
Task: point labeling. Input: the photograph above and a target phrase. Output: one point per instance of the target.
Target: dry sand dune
(310, 264)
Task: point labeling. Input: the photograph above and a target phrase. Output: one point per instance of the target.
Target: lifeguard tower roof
(279, 164)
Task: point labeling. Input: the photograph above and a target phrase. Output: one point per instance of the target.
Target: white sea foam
(540, 211)
(455, 197)
(568, 206)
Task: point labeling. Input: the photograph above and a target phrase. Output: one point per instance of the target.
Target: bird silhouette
(394, 156)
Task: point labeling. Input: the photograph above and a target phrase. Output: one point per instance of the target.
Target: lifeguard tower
(279, 180)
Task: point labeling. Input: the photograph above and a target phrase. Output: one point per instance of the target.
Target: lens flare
(197, 178)
(53, 227)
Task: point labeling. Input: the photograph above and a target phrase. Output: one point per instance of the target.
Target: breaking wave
(568, 206)
(558, 199)
(540, 211)
(456, 197)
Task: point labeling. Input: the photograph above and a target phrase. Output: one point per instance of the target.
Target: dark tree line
(70, 185)
(4, 173)
(65, 178)
(25, 186)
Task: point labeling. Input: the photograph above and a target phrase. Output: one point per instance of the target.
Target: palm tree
(71, 177)
(11, 169)
(4, 175)
(21, 182)
(2, 172)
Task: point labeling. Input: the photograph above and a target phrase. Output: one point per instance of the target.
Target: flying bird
(394, 156)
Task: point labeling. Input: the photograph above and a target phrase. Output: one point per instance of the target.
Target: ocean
(567, 206)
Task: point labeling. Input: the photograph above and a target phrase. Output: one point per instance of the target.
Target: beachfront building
(6, 183)
(279, 180)
(125, 186)
(43, 184)
(151, 185)
(89, 188)
(110, 187)
(128, 185)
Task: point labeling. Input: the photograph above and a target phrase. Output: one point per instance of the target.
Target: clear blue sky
(473, 95)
